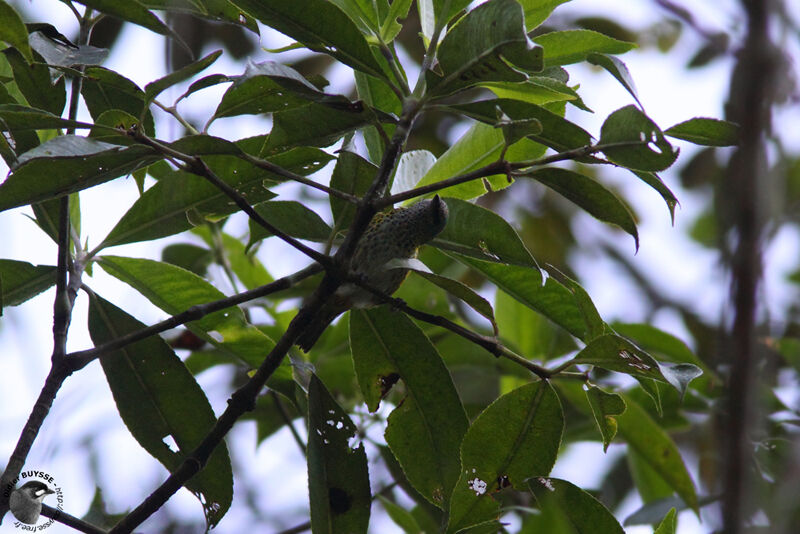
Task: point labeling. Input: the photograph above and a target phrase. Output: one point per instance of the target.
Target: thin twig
(287, 421)
(172, 110)
(491, 345)
(289, 175)
(404, 90)
(78, 360)
(199, 167)
(497, 167)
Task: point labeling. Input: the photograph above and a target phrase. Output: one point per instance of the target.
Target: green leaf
(23, 281)
(293, 218)
(104, 89)
(653, 512)
(537, 11)
(529, 332)
(595, 323)
(66, 164)
(461, 291)
(204, 83)
(315, 125)
(247, 268)
(528, 286)
(629, 125)
(354, 175)
(514, 438)
(481, 233)
(377, 94)
(16, 117)
(572, 46)
(13, 31)
(153, 89)
(182, 200)
(573, 506)
(320, 26)
(132, 11)
(338, 479)
(616, 353)
(605, 407)
(652, 179)
(650, 485)
(425, 430)
(664, 345)
(669, 524)
(35, 84)
(161, 404)
(532, 91)
(401, 517)
(443, 18)
(390, 27)
(268, 87)
(479, 146)
(708, 132)
(472, 51)
(175, 290)
(657, 448)
(557, 132)
(187, 256)
(618, 70)
(222, 10)
(590, 195)
(47, 215)
(176, 204)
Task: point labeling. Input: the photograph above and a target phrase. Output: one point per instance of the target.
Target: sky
(670, 94)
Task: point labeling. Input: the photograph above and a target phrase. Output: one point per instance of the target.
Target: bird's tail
(317, 326)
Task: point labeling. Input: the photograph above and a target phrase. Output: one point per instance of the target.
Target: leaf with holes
(605, 407)
(425, 430)
(338, 480)
(648, 149)
(513, 439)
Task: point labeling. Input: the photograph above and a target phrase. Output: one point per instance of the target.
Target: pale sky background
(127, 474)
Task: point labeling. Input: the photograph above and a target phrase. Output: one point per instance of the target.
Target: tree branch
(242, 400)
(71, 521)
(501, 166)
(750, 103)
(196, 165)
(289, 175)
(491, 345)
(68, 275)
(78, 360)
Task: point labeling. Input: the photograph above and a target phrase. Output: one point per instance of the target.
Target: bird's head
(430, 217)
(36, 490)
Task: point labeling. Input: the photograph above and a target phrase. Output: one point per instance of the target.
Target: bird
(396, 234)
(26, 501)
